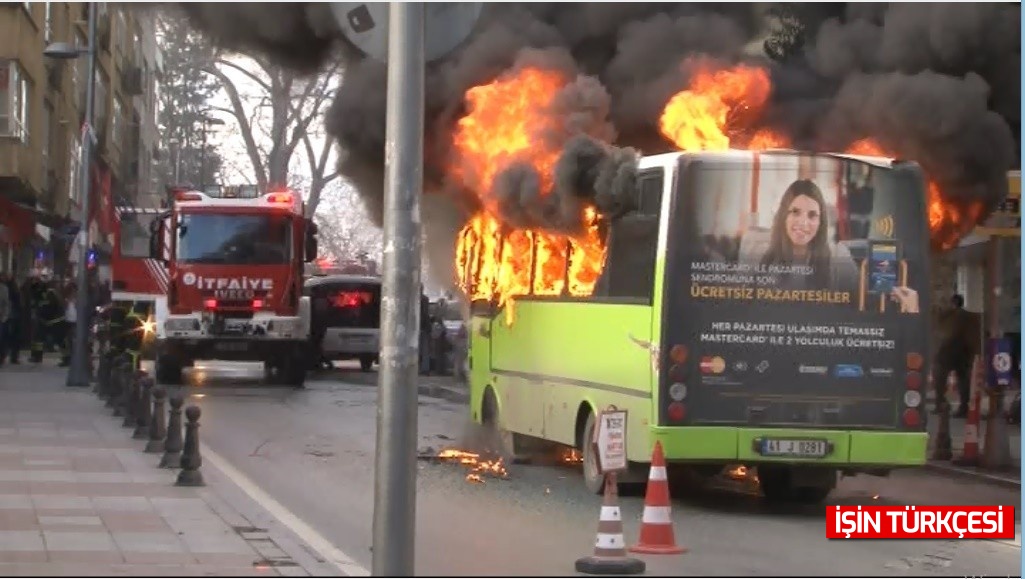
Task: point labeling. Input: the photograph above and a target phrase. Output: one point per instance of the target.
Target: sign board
(446, 26)
(1001, 363)
(610, 440)
(1005, 221)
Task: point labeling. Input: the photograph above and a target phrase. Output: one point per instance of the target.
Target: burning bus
(746, 303)
(761, 308)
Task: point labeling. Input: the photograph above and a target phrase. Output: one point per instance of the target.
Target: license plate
(796, 448)
(231, 346)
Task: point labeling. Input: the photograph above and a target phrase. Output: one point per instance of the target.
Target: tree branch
(247, 131)
(252, 76)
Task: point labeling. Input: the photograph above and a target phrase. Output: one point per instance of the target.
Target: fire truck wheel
(293, 372)
(168, 369)
(366, 363)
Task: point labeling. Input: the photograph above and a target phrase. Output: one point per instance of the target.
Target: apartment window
(117, 123)
(74, 162)
(13, 101)
(78, 78)
(46, 140)
(48, 23)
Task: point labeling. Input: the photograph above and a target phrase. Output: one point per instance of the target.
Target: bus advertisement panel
(795, 287)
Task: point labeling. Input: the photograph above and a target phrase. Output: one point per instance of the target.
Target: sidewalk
(1010, 478)
(79, 497)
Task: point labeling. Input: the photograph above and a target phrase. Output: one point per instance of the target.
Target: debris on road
(479, 467)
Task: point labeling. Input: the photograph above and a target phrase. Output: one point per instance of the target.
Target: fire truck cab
(235, 258)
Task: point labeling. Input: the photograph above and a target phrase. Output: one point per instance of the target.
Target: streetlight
(78, 372)
(207, 121)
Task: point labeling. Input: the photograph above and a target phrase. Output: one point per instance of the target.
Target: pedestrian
(957, 349)
(67, 332)
(5, 313)
(16, 321)
(425, 335)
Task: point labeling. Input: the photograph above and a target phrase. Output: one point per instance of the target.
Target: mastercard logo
(713, 365)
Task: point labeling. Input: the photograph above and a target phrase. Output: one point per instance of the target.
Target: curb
(971, 474)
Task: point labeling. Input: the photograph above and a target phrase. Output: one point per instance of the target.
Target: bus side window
(632, 243)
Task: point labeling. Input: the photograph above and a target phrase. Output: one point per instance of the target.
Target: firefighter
(132, 330)
(46, 312)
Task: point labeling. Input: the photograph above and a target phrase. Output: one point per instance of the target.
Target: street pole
(394, 534)
(78, 372)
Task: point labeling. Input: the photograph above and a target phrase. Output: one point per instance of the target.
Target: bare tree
(345, 232)
(274, 109)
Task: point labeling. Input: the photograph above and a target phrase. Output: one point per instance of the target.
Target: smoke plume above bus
(935, 83)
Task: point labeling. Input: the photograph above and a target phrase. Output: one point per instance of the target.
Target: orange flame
(506, 124)
(718, 105)
(948, 223)
(478, 467)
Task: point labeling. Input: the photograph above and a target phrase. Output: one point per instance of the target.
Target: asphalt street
(312, 450)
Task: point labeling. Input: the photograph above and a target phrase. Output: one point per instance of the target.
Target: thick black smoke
(938, 83)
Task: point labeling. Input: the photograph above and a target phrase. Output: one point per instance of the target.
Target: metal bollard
(173, 444)
(158, 422)
(102, 376)
(142, 413)
(131, 394)
(115, 385)
(191, 461)
(996, 454)
(105, 376)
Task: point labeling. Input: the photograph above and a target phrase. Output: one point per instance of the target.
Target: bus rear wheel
(499, 437)
(593, 479)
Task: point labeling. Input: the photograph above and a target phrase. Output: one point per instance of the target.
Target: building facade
(42, 103)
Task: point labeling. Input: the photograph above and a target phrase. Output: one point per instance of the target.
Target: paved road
(312, 451)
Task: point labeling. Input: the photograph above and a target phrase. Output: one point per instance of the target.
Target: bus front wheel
(593, 479)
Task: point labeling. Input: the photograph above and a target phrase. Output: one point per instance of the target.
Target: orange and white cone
(970, 449)
(657, 537)
(610, 547)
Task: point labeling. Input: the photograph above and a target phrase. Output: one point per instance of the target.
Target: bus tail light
(912, 418)
(678, 391)
(677, 411)
(913, 381)
(210, 304)
(257, 304)
(912, 399)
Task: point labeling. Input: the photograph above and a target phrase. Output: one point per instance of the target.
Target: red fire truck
(136, 279)
(235, 257)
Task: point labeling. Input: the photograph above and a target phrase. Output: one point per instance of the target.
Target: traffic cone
(610, 548)
(970, 450)
(657, 524)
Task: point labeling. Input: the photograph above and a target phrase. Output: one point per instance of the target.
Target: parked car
(346, 318)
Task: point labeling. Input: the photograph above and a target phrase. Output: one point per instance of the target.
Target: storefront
(990, 256)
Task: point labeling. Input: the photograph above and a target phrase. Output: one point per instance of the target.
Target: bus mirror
(311, 247)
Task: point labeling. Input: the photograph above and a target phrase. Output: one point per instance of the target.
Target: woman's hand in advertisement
(907, 298)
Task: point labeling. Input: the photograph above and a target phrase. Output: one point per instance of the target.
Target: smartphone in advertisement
(883, 266)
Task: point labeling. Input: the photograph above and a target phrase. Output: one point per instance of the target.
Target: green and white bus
(755, 308)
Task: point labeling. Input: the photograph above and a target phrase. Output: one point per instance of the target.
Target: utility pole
(79, 371)
(394, 532)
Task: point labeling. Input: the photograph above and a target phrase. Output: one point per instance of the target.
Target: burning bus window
(629, 270)
(234, 239)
